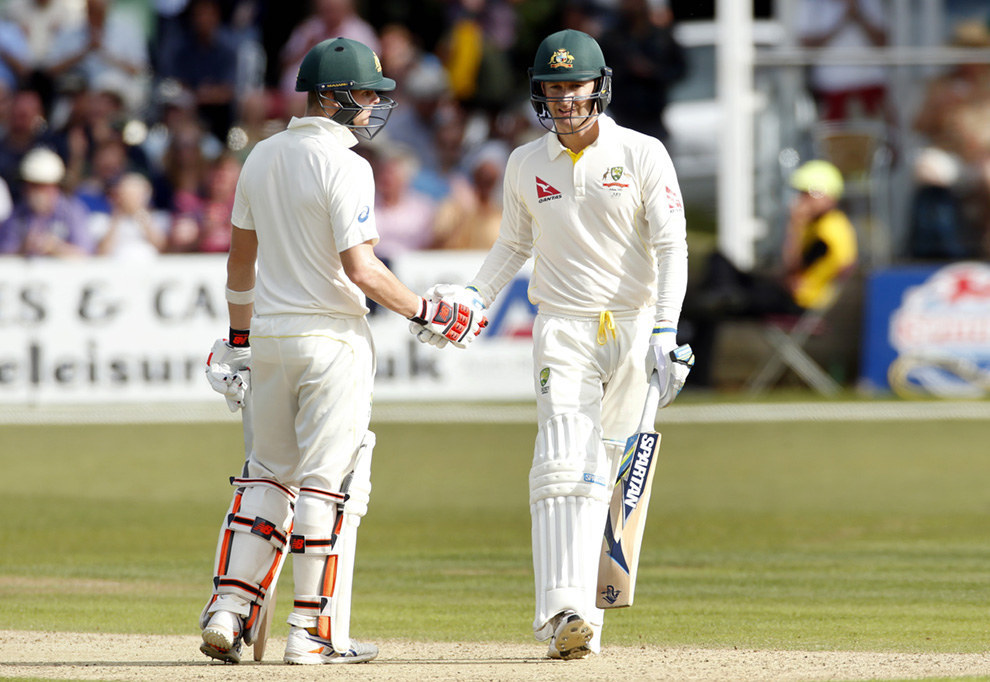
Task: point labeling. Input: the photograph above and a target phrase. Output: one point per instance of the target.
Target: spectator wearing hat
(819, 249)
(45, 222)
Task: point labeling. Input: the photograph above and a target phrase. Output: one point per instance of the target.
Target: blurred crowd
(124, 123)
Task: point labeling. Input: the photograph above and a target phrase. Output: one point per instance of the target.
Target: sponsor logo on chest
(545, 191)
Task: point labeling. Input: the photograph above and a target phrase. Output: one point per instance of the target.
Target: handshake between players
(448, 314)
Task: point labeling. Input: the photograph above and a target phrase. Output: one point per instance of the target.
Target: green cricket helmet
(334, 68)
(569, 55)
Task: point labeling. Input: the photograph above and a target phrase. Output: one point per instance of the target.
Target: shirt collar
(338, 130)
(605, 128)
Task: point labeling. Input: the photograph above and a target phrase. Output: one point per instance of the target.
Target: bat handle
(651, 404)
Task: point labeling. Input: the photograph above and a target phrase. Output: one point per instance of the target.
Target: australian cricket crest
(612, 180)
(545, 380)
(562, 59)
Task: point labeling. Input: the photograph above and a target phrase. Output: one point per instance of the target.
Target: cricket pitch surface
(95, 656)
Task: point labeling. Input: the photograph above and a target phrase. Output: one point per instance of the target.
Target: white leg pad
(569, 498)
(314, 549)
(324, 577)
(250, 550)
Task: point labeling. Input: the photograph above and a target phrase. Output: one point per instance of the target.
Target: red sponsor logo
(443, 314)
(263, 528)
(545, 189)
(673, 200)
(949, 312)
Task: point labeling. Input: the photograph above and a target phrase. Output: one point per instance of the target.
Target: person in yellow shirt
(819, 249)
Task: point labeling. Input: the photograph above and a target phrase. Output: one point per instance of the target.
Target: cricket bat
(627, 510)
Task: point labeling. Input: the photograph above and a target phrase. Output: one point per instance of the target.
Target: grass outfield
(851, 536)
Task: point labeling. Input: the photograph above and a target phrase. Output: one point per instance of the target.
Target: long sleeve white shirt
(606, 229)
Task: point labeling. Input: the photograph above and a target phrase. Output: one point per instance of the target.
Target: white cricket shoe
(222, 637)
(303, 648)
(570, 637)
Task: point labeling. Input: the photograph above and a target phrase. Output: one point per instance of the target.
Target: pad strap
(316, 605)
(324, 494)
(263, 528)
(250, 592)
(303, 544)
(239, 482)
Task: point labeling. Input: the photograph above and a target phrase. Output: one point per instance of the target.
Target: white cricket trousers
(312, 385)
(590, 379)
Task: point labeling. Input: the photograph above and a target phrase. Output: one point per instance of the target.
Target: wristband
(239, 297)
(421, 317)
(661, 330)
(239, 338)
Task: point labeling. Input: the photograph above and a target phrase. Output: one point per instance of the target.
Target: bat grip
(651, 404)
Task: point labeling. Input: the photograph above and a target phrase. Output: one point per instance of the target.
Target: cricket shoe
(222, 637)
(305, 648)
(570, 637)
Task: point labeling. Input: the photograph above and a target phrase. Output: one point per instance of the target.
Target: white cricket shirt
(606, 231)
(308, 197)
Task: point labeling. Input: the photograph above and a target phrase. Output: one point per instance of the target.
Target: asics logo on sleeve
(363, 215)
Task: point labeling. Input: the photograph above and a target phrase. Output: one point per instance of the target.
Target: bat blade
(261, 639)
(626, 519)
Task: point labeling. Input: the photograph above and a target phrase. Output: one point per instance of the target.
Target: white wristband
(239, 297)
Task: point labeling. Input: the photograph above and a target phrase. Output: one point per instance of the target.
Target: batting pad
(566, 545)
(250, 550)
(569, 496)
(313, 546)
(569, 459)
(323, 565)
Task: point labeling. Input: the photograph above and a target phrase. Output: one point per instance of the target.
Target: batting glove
(228, 371)
(449, 313)
(673, 363)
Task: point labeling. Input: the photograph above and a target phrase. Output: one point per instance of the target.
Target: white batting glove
(436, 326)
(426, 335)
(673, 363)
(228, 371)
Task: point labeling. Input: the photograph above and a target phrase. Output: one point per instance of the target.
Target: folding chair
(861, 151)
(787, 335)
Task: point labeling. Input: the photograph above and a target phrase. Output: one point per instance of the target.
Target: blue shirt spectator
(15, 55)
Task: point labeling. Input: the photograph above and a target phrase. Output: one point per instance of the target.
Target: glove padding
(673, 363)
(460, 326)
(228, 371)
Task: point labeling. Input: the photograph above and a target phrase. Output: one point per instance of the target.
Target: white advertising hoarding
(99, 330)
